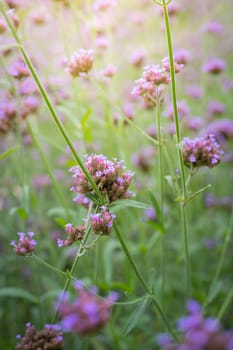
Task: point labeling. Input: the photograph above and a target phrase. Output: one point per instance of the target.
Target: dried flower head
(87, 314)
(80, 63)
(49, 338)
(201, 151)
(26, 245)
(110, 177)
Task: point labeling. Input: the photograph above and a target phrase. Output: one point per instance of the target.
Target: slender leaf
(15, 292)
(8, 152)
(135, 317)
(123, 203)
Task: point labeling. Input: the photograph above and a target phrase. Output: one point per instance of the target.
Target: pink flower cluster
(80, 63)
(26, 245)
(201, 151)
(8, 115)
(154, 77)
(87, 314)
(110, 177)
(101, 223)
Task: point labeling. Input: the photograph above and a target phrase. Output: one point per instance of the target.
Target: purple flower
(201, 151)
(222, 129)
(18, 70)
(88, 313)
(214, 66)
(26, 245)
(74, 233)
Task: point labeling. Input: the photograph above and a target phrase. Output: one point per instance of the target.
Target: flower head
(201, 151)
(26, 245)
(74, 233)
(101, 223)
(87, 314)
(110, 177)
(214, 66)
(49, 338)
(80, 63)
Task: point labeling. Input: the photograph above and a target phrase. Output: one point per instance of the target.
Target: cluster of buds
(110, 177)
(154, 78)
(74, 233)
(87, 314)
(8, 115)
(18, 69)
(49, 338)
(199, 333)
(101, 223)
(26, 245)
(80, 63)
(201, 151)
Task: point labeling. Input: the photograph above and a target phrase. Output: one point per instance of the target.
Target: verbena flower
(87, 313)
(74, 233)
(214, 66)
(198, 333)
(201, 151)
(110, 177)
(80, 63)
(49, 338)
(222, 129)
(8, 114)
(19, 70)
(26, 245)
(101, 223)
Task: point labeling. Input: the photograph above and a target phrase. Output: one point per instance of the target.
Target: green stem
(51, 267)
(142, 281)
(73, 267)
(48, 169)
(221, 260)
(48, 102)
(161, 195)
(180, 158)
(225, 305)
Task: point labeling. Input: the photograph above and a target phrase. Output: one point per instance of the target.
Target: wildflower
(151, 215)
(215, 108)
(3, 26)
(87, 314)
(110, 177)
(194, 91)
(194, 123)
(74, 234)
(26, 245)
(150, 86)
(182, 108)
(101, 223)
(49, 338)
(8, 116)
(182, 56)
(144, 158)
(109, 71)
(214, 66)
(82, 200)
(30, 105)
(201, 151)
(213, 27)
(222, 129)
(80, 63)
(138, 57)
(18, 69)
(198, 333)
(103, 5)
(177, 66)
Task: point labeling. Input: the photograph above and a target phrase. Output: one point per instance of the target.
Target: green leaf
(136, 316)
(15, 292)
(123, 203)
(20, 211)
(58, 211)
(8, 152)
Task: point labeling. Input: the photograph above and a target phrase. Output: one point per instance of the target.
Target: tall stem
(180, 158)
(161, 194)
(48, 101)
